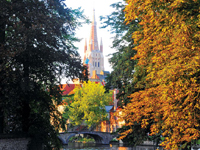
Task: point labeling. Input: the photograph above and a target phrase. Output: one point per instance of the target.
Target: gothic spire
(101, 46)
(93, 34)
(85, 50)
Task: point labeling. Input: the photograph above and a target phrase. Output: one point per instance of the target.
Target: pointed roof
(68, 88)
(93, 34)
(101, 46)
(85, 48)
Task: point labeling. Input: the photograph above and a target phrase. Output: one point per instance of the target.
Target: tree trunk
(25, 116)
(1, 120)
(2, 50)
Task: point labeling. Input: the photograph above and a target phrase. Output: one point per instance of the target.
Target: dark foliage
(137, 137)
(36, 51)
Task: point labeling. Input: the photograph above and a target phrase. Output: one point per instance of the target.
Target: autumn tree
(168, 49)
(88, 104)
(36, 51)
(124, 67)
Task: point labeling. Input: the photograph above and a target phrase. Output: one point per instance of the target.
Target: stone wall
(14, 144)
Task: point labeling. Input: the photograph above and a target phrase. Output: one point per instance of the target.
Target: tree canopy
(122, 64)
(167, 45)
(88, 104)
(126, 76)
(36, 51)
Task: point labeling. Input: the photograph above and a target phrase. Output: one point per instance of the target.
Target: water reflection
(93, 146)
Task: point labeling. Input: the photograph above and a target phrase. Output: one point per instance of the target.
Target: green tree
(36, 51)
(122, 64)
(88, 104)
(126, 76)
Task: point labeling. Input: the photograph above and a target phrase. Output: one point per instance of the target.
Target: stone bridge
(99, 137)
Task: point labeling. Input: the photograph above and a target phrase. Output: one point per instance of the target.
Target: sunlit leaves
(88, 104)
(168, 48)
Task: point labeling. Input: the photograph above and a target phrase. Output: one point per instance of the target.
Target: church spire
(93, 34)
(85, 50)
(101, 46)
(93, 57)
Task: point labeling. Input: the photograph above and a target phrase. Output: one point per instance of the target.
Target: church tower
(93, 55)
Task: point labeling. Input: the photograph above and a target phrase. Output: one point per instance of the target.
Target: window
(98, 64)
(95, 64)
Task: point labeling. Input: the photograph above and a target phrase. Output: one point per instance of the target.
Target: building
(94, 60)
(93, 55)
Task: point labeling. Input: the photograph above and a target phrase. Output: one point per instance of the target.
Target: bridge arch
(99, 137)
(71, 135)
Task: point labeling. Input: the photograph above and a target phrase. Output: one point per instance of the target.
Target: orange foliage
(168, 46)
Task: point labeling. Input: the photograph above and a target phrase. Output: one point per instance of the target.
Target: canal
(93, 146)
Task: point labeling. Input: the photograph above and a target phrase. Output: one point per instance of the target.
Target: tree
(122, 64)
(126, 76)
(88, 104)
(36, 51)
(167, 46)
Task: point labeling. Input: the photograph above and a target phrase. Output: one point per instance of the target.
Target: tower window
(95, 64)
(98, 64)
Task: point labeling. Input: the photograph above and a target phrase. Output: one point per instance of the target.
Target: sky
(102, 8)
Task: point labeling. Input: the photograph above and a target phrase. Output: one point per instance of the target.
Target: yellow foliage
(89, 104)
(168, 46)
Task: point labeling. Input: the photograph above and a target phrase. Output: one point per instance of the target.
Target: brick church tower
(93, 54)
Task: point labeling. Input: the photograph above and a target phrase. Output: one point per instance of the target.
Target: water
(93, 146)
